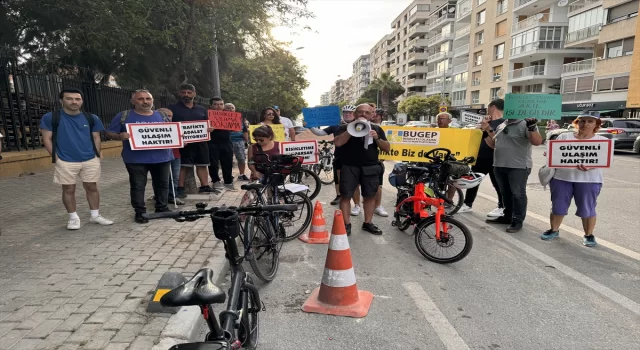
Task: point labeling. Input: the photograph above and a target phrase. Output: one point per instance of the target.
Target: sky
(341, 31)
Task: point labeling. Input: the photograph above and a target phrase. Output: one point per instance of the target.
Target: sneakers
(380, 211)
(175, 201)
(218, 186)
(230, 187)
(589, 241)
(355, 211)
(243, 177)
(347, 228)
(371, 228)
(335, 201)
(140, 219)
(499, 220)
(100, 220)
(465, 209)
(73, 224)
(514, 227)
(204, 189)
(549, 235)
(181, 193)
(495, 213)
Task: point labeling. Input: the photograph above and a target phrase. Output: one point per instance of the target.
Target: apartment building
(602, 81)
(379, 57)
(325, 99)
(350, 91)
(336, 95)
(633, 95)
(361, 76)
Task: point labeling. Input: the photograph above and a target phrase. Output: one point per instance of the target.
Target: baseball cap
(589, 114)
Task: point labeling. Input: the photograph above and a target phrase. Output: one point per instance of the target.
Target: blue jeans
(175, 172)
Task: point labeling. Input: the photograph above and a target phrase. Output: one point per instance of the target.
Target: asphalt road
(513, 291)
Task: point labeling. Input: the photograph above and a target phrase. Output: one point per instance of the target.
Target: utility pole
(215, 72)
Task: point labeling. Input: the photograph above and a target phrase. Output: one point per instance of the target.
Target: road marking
(622, 250)
(379, 240)
(445, 331)
(579, 277)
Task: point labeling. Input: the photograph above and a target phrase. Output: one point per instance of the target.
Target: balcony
(530, 22)
(437, 88)
(439, 56)
(417, 29)
(460, 85)
(502, 8)
(535, 72)
(439, 38)
(461, 68)
(476, 82)
(438, 73)
(461, 51)
(526, 7)
(417, 69)
(582, 4)
(612, 66)
(416, 82)
(417, 42)
(457, 103)
(580, 67)
(532, 48)
(419, 16)
(576, 96)
(463, 9)
(462, 32)
(475, 100)
(585, 36)
(417, 56)
(440, 21)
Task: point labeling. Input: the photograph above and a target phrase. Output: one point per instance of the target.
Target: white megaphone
(359, 128)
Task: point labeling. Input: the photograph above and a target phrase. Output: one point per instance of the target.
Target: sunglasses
(261, 140)
(269, 114)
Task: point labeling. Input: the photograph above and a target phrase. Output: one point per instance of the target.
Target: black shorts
(381, 173)
(196, 153)
(368, 177)
(336, 167)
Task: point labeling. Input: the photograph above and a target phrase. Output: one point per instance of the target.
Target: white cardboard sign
(195, 131)
(154, 136)
(571, 153)
(306, 149)
(471, 118)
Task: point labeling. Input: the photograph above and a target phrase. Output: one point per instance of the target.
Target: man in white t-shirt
(289, 131)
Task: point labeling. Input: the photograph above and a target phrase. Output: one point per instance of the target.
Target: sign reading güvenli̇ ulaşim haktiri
(154, 136)
(571, 153)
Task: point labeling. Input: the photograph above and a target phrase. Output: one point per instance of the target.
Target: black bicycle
(324, 168)
(240, 321)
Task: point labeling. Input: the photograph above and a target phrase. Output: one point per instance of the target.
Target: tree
(386, 85)
(415, 107)
(364, 99)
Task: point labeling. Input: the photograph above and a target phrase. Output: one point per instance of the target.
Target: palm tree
(386, 83)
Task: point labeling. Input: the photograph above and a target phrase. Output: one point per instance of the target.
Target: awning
(577, 113)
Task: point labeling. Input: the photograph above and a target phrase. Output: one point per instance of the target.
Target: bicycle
(240, 320)
(414, 209)
(307, 177)
(324, 168)
(275, 191)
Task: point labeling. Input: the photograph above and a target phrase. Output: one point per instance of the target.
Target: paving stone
(99, 340)
(64, 311)
(83, 334)
(33, 321)
(5, 327)
(53, 340)
(142, 343)
(117, 346)
(127, 333)
(44, 329)
(11, 338)
(90, 306)
(155, 327)
(101, 315)
(115, 300)
(72, 323)
(129, 305)
(115, 321)
(21, 314)
(25, 344)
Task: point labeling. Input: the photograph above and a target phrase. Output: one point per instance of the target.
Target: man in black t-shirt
(220, 152)
(359, 157)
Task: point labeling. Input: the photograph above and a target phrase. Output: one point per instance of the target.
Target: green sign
(539, 106)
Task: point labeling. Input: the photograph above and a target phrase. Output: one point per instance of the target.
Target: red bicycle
(438, 237)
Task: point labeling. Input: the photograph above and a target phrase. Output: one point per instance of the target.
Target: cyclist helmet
(380, 111)
(349, 108)
(468, 181)
(398, 176)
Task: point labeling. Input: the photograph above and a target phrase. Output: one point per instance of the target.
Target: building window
(457, 97)
(533, 88)
(480, 2)
(586, 19)
(498, 51)
(477, 58)
(480, 17)
(480, 38)
(619, 48)
(494, 93)
(502, 7)
(497, 73)
(475, 78)
(550, 37)
(620, 83)
(475, 96)
(622, 12)
(501, 28)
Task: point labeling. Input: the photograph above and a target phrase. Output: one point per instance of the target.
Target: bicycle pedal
(393, 223)
(264, 308)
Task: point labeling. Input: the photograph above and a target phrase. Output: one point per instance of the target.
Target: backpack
(55, 115)
(125, 114)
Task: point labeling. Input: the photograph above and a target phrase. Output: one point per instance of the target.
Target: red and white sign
(571, 153)
(195, 131)
(306, 149)
(154, 136)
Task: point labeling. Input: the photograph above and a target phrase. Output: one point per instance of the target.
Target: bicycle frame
(420, 203)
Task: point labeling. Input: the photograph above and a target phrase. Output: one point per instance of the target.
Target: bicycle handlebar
(203, 211)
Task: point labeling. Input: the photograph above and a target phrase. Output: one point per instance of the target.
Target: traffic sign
(443, 109)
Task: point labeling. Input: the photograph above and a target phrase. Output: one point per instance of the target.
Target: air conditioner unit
(480, 42)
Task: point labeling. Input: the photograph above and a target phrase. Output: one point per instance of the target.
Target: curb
(184, 326)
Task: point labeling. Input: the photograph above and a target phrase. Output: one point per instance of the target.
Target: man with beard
(142, 162)
(196, 153)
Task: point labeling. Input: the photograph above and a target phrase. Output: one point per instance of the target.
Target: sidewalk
(89, 289)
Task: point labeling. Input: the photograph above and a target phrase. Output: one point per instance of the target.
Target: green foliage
(364, 99)
(388, 87)
(415, 107)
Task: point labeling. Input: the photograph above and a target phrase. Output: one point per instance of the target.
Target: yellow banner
(411, 144)
(278, 131)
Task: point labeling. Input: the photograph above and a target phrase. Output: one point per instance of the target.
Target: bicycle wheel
(295, 223)
(249, 328)
(403, 217)
(454, 244)
(264, 254)
(308, 178)
(451, 205)
(325, 170)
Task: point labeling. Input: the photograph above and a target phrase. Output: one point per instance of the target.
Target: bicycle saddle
(209, 345)
(249, 187)
(199, 290)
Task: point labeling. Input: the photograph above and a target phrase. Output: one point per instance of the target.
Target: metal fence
(25, 98)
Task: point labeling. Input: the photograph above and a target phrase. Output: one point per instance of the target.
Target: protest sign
(321, 116)
(195, 131)
(306, 149)
(154, 136)
(571, 153)
(539, 106)
(225, 120)
(471, 118)
(278, 130)
(411, 144)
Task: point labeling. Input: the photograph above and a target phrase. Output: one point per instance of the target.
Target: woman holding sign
(264, 145)
(581, 183)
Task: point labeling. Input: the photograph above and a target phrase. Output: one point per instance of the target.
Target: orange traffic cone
(338, 294)
(318, 232)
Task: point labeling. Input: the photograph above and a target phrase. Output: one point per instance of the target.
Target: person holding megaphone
(360, 145)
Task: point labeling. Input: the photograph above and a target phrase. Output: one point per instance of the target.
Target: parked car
(387, 122)
(623, 131)
(299, 129)
(415, 123)
(636, 145)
